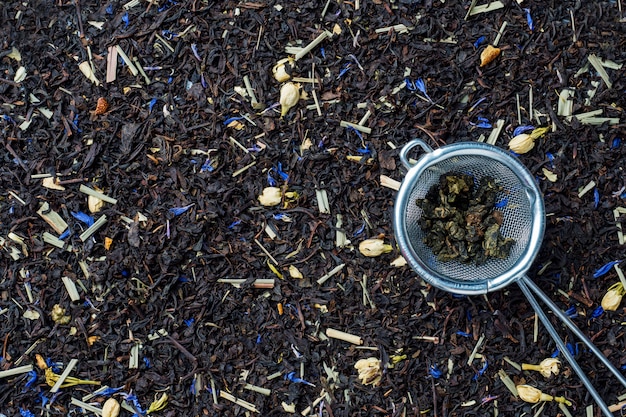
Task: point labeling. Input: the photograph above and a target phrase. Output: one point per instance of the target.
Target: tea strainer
(524, 221)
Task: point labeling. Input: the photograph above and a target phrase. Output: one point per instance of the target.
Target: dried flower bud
(489, 54)
(271, 196)
(547, 367)
(370, 371)
(111, 408)
(533, 395)
(613, 297)
(521, 143)
(282, 69)
(101, 106)
(374, 247)
(58, 315)
(289, 96)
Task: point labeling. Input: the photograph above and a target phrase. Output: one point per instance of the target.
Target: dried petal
(101, 106)
(521, 143)
(370, 371)
(94, 204)
(111, 408)
(31, 314)
(282, 69)
(20, 75)
(289, 96)
(271, 196)
(489, 54)
(52, 184)
(551, 176)
(295, 272)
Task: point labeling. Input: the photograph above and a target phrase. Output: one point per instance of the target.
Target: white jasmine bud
(289, 96)
(522, 143)
(613, 297)
(111, 408)
(374, 247)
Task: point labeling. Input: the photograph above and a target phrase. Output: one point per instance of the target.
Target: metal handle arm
(579, 334)
(523, 284)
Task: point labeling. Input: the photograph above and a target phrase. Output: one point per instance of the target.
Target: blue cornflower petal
(126, 19)
(616, 143)
(596, 198)
(605, 268)
(529, 20)
(64, 234)
(464, 334)
(233, 224)
(177, 211)
(597, 312)
(283, 175)
(32, 378)
(502, 203)
(435, 372)
(26, 413)
(571, 312)
(83, 217)
(521, 129)
(479, 41)
(232, 119)
(189, 322)
(151, 104)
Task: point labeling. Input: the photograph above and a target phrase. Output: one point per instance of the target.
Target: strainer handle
(406, 148)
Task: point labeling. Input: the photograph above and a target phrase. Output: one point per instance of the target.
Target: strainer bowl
(521, 204)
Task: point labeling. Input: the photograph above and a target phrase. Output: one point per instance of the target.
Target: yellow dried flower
(70, 381)
(489, 54)
(547, 367)
(370, 371)
(613, 297)
(282, 68)
(111, 408)
(58, 315)
(533, 395)
(289, 96)
(374, 247)
(158, 405)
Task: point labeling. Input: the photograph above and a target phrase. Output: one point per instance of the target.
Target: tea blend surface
(169, 240)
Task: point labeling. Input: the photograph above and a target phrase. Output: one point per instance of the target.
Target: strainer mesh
(517, 222)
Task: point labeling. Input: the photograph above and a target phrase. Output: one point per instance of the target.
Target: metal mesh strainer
(524, 221)
(524, 215)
